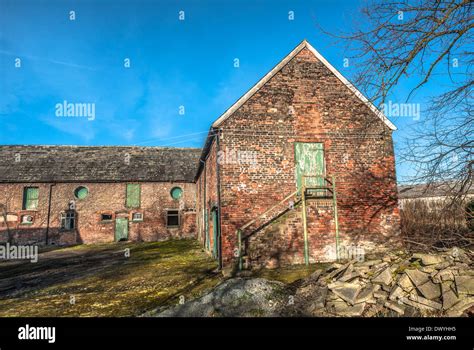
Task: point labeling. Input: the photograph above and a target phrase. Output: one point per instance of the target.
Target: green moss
(256, 313)
(104, 282)
(415, 265)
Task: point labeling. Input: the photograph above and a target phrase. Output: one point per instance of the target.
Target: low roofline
(279, 66)
(103, 146)
(11, 182)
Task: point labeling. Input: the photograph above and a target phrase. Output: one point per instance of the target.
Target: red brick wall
(305, 102)
(103, 198)
(207, 196)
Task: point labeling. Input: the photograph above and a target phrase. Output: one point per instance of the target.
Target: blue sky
(173, 63)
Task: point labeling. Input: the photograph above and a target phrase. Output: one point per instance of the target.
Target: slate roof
(433, 190)
(97, 164)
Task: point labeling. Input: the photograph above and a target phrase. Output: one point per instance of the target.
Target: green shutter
(133, 195)
(30, 198)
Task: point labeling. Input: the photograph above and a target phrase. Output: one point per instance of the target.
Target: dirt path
(100, 280)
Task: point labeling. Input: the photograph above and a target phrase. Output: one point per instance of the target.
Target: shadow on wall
(373, 207)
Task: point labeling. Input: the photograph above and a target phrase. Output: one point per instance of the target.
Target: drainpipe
(49, 211)
(203, 189)
(218, 185)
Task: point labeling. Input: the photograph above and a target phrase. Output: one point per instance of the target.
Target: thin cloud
(36, 58)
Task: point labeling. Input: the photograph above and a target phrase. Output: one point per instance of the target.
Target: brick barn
(68, 194)
(302, 118)
(299, 168)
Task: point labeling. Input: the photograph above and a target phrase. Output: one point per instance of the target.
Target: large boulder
(237, 297)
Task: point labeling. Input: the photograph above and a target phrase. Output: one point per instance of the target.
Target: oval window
(81, 192)
(176, 192)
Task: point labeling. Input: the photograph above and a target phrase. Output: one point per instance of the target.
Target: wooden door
(121, 229)
(309, 161)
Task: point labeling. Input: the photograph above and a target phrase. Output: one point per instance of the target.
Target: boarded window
(30, 198)
(68, 220)
(133, 196)
(172, 218)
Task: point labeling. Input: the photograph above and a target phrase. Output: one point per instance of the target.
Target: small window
(81, 192)
(106, 217)
(172, 218)
(27, 220)
(133, 196)
(137, 217)
(30, 198)
(176, 193)
(68, 220)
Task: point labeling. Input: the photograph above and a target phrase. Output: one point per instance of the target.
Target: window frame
(132, 219)
(106, 221)
(177, 215)
(27, 200)
(78, 189)
(65, 217)
(181, 193)
(25, 222)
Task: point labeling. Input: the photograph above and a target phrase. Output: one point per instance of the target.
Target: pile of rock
(395, 285)
(420, 284)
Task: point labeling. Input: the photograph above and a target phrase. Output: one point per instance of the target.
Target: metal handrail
(332, 188)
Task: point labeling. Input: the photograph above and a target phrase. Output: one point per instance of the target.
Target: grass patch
(99, 280)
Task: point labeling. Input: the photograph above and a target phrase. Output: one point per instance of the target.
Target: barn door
(121, 229)
(309, 161)
(215, 232)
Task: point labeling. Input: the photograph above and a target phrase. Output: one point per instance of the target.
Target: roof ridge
(303, 44)
(104, 146)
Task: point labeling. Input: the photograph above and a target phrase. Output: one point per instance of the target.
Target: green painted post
(336, 221)
(305, 229)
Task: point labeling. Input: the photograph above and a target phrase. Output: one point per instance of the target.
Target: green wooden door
(309, 161)
(215, 231)
(121, 229)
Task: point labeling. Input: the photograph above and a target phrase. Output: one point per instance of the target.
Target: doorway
(121, 229)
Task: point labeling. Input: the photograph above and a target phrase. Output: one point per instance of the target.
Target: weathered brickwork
(248, 165)
(207, 200)
(306, 102)
(103, 198)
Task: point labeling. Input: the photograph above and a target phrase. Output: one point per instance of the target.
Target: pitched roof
(97, 164)
(432, 190)
(279, 66)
